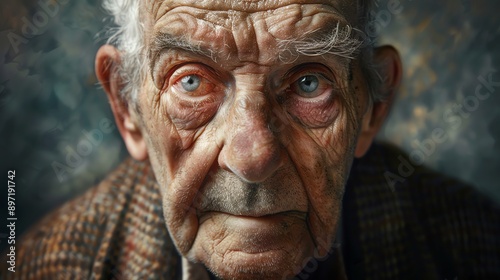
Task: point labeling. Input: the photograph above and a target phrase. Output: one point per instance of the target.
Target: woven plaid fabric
(426, 226)
(115, 230)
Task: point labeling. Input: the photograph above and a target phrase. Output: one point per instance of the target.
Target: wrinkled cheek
(190, 115)
(178, 184)
(314, 115)
(338, 140)
(326, 196)
(326, 200)
(182, 224)
(181, 192)
(322, 159)
(323, 228)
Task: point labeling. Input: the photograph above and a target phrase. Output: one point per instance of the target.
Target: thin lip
(295, 213)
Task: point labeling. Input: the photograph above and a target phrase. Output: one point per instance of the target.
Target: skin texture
(251, 168)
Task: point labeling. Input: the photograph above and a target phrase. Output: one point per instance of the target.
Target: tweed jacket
(398, 222)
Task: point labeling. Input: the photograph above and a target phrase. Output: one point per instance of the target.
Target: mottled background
(49, 95)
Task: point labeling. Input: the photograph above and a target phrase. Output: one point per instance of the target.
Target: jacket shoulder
(431, 223)
(66, 243)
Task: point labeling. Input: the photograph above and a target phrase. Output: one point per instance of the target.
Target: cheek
(158, 150)
(190, 114)
(320, 114)
(337, 141)
(171, 150)
(323, 158)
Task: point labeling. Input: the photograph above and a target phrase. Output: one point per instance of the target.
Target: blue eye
(191, 82)
(308, 84)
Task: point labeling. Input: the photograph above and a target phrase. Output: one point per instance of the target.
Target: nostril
(253, 157)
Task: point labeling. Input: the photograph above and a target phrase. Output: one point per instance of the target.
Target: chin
(274, 264)
(235, 247)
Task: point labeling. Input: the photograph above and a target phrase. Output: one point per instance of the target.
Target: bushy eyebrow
(338, 41)
(168, 41)
(164, 41)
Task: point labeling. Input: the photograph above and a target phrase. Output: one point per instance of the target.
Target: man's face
(251, 142)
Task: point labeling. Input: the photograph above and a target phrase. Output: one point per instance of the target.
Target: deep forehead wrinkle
(347, 8)
(163, 41)
(248, 36)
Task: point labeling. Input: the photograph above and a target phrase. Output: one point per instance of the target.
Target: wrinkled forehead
(154, 9)
(247, 29)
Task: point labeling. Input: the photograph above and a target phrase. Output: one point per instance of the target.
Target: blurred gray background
(50, 100)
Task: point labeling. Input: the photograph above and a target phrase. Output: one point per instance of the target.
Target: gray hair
(128, 34)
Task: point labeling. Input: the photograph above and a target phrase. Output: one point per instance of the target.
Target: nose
(251, 150)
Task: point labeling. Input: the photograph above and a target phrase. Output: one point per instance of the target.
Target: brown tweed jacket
(426, 226)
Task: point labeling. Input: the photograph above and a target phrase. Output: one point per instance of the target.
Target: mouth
(257, 233)
(254, 215)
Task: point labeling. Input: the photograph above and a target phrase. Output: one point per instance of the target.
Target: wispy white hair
(128, 37)
(339, 42)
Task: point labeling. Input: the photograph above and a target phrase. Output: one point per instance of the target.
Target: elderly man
(250, 125)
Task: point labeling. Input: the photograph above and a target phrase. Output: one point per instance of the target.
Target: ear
(387, 57)
(106, 66)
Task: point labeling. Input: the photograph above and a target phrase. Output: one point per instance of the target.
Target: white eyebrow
(165, 41)
(339, 42)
